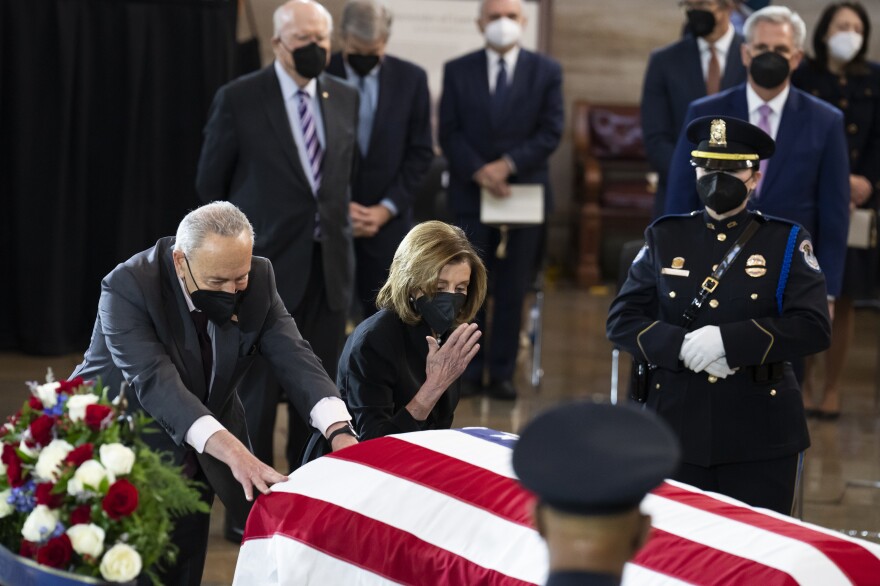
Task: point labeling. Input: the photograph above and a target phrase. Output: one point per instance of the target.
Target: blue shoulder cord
(786, 266)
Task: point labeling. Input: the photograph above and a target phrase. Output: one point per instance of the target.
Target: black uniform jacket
(765, 320)
(381, 369)
(573, 578)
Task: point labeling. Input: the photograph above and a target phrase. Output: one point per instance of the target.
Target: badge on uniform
(806, 249)
(677, 269)
(756, 266)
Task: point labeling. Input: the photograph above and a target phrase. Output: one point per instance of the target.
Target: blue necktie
(365, 116)
(500, 94)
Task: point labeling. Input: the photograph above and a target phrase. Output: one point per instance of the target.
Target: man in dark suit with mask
(181, 323)
(501, 118)
(280, 144)
(705, 62)
(807, 180)
(394, 141)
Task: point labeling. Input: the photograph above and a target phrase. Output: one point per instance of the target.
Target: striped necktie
(764, 112)
(310, 137)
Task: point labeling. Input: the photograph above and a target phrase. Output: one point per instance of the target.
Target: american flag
(444, 507)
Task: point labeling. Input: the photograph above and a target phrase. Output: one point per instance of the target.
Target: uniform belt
(766, 373)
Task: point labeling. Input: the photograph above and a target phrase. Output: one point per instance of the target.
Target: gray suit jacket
(145, 336)
(249, 157)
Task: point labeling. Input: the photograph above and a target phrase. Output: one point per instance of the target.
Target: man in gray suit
(181, 323)
(280, 144)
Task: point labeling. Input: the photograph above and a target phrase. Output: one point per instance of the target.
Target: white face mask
(503, 32)
(843, 46)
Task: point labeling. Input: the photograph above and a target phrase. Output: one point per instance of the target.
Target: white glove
(701, 348)
(720, 368)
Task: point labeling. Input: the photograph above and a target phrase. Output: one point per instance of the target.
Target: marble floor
(577, 364)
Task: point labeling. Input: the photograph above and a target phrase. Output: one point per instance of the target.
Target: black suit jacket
(381, 369)
(144, 335)
(527, 129)
(249, 157)
(763, 320)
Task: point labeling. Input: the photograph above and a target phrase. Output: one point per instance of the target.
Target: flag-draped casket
(443, 507)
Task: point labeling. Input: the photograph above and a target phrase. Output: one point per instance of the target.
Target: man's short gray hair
(777, 15)
(367, 20)
(282, 16)
(219, 217)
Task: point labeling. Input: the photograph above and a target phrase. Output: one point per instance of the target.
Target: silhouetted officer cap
(593, 459)
(726, 143)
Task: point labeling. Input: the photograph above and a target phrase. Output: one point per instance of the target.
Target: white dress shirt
(509, 63)
(777, 106)
(722, 48)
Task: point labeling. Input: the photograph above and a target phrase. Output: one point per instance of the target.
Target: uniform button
(713, 303)
(715, 267)
(657, 386)
(672, 294)
(773, 392)
(713, 379)
(722, 237)
(754, 295)
(852, 128)
(843, 103)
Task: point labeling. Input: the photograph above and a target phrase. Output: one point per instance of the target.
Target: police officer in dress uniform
(724, 382)
(590, 466)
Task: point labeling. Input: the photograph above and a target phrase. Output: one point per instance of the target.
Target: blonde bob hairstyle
(421, 256)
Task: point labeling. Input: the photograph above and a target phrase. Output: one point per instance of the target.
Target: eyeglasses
(687, 5)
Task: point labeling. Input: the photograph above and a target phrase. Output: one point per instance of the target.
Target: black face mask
(700, 22)
(309, 61)
(721, 192)
(769, 70)
(440, 311)
(218, 306)
(362, 64)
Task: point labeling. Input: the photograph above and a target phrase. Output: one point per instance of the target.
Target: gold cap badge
(718, 133)
(678, 262)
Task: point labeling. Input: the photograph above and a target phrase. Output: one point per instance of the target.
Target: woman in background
(840, 74)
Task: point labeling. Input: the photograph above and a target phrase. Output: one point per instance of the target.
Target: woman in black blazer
(399, 369)
(840, 74)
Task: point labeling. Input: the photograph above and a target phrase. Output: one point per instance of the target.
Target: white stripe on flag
(467, 448)
(470, 532)
(635, 575)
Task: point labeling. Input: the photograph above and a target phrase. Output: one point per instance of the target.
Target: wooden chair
(611, 186)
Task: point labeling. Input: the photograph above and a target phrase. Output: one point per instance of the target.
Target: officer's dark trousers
(766, 483)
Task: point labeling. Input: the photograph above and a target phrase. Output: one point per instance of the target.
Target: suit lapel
(183, 331)
(693, 70)
(786, 138)
(386, 100)
(523, 73)
(277, 114)
(333, 130)
(733, 64)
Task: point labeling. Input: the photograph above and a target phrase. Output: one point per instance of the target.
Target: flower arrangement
(79, 489)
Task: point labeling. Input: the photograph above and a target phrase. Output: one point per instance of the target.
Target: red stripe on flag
(696, 563)
(859, 564)
(477, 486)
(364, 542)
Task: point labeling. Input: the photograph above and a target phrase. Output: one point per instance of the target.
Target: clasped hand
(703, 349)
(493, 176)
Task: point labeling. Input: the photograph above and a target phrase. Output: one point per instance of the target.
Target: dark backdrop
(102, 104)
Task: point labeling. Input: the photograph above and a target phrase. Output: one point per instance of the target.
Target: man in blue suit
(705, 62)
(394, 141)
(807, 180)
(501, 118)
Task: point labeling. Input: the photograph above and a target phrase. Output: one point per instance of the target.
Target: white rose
(5, 508)
(39, 524)
(117, 458)
(76, 405)
(121, 563)
(48, 465)
(26, 449)
(47, 395)
(87, 539)
(89, 474)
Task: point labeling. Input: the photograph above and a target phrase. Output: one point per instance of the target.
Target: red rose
(56, 553)
(121, 499)
(81, 514)
(41, 429)
(96, 414)
(28, 549)
(69, 385)
(13, 466)
(35, 404)
(44, 496)
(79, 455)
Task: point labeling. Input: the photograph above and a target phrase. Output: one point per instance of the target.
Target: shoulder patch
(810, 259)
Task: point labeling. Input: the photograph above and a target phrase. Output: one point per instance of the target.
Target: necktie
(713, 74)
(310, 137)
(500, 84)
(764, 124)
(365, 116)
(201, 322)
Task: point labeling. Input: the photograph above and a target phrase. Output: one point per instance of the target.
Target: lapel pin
(325, 95)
